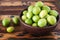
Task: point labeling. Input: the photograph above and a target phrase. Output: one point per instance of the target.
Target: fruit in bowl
(40, 19)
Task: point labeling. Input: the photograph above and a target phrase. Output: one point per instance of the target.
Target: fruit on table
(34, 24)
(5, 22)
(43, 13)
(29, 15)
(54, 13)
(25, 12)
(10, 29)
(24, 17)
(35, 18)
(28, 21)
(45, 7)
(30, 8)
(15, 20)
(36, 10)
(39, 4)
(51, 20)
(42, 23)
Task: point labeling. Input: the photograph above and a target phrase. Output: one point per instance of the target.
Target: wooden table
(14, 7)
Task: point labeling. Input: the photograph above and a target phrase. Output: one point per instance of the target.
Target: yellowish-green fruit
(15, 20)
(10, 29)
(42, 23)
(5, 22)
(54, 13)
(51, 20)
(46, 8)
(24, 17)
(36, 10)
(43, 14)
(34, 24)
(25, 12)
(39, 4)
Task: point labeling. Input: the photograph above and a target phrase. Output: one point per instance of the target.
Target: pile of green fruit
(39, 15)
(6, 22)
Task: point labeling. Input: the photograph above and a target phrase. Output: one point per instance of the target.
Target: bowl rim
(35, 26)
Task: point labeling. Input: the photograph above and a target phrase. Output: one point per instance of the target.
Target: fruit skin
(42, 23)
(54, 13)
(24, 17)
(46, 8)
(10, 29)
(28, 21)
(5, 22)
(43, 13)
(35, 18)
(25, 12)
(39, 4)
(36, 10)
(34, 24)
(29, 15)
(15, 20)
(51, 20)
(30, 8)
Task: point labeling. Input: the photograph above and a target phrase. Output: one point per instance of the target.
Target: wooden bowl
(37, 30)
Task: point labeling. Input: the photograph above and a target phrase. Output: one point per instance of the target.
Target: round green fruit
(15, 20)
(43, 13)
(42, 23)
(10, 29)
(34, 24)
(5, 22)
(29, 15)
(54, 13)
(24, 17)
(30, 8)
(36, 10)
(51, 20)
(46, 8)
(39, 4)
(25, 12)
(35, 18)
(28, 21)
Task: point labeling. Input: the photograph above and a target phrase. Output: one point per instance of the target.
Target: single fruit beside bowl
(15, 20)
(10, 29)
(5, 22)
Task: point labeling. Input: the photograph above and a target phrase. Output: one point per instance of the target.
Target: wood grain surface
(14, 7)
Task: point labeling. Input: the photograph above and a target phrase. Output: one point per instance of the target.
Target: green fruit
(36, 10)
(25, 12)
(47, 15)
(35, 18)
(28, 21)
(43, 13)
(30, 8)
(39, 4)
(51, 20)
(15, 20)
(10, 29)
(5, 22)
(34, 24)
(24, 17)
(46, 8)
(29, 15)
(42, 23)
(54, 13)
